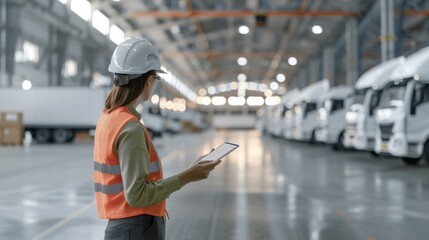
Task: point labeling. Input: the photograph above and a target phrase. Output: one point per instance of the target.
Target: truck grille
(386, 131)
(351, 127)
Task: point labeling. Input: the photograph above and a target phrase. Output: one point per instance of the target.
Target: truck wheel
(151, 133)
(340, 145)
(426, 152)
(70, 138)
(61, 135)
(313, 137)
(411, 161)
(374, 154)
(42, 135)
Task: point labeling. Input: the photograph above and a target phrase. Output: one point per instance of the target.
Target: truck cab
(280, 112)
(360, 119)
(403, 114)
(289, 119)
(331, 116)
(306, 111)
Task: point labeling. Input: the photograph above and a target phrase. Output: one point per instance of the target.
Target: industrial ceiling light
(292, 61)
(222, 87)
(26, 85)
(268, 93)
(155, 99)
(211, 90)
(202, 92)
(281, 77)
(243, 29)
(316, 29)
(242, 77)
(175, 29)
(274, 86)
(242, 61)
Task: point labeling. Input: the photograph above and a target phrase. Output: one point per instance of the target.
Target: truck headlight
(351, 116)
(322, 114)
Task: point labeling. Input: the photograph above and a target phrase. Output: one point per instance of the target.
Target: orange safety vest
(109, 189)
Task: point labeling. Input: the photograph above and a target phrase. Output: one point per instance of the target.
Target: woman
(129, 185)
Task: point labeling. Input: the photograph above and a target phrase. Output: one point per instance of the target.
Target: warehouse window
(100, 22)
(82, 8)
(28, 53)
(116, 34)
(70, 68)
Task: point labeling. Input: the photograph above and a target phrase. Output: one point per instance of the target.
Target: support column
(352, 52)
(62, 42)
(314, 70)
(88, 55)
(387, 37)
(2, 41)
(302, 79)
(13, 29)
(329, 65)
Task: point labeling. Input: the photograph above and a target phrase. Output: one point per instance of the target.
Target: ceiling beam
(228, 54)
(238, 13)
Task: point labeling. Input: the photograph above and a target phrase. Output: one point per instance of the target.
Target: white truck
(360, 119)
(279, 113)
(174, 122)
(306, 111)
(290, 115)
(153, 118)
(55, 114)
(403, 114)
(331, 116)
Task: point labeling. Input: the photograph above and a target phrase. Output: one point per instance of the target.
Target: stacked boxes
(11, 128)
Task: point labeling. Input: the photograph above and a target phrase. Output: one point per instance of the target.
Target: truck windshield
(337, 104)
(392, 96)
(359, 96)
(310, 107)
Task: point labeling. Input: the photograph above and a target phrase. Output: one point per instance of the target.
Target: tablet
(220, 152)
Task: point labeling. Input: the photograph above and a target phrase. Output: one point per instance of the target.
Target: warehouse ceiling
(199, 40)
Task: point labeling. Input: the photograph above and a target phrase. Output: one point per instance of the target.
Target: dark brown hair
(123, 95)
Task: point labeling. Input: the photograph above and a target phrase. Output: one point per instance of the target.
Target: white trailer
(331, 116)
(403, 114)
(360, 120)
(306, 112)
(54, 114)
(277, 123)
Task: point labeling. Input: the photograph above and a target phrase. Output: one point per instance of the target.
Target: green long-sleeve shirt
(132, 148)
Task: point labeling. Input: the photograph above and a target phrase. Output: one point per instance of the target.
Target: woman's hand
(199, 158)
(197, 172)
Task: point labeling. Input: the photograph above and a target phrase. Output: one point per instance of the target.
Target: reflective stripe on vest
(109, 189)
(108, 185)
(116, 169)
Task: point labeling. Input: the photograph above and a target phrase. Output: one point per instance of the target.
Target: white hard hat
(134, 57)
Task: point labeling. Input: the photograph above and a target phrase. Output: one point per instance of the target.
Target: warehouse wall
(84, 44)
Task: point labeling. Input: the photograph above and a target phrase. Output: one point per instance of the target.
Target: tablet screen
(220, 152)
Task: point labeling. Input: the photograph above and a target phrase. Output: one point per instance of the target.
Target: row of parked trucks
(385, 113)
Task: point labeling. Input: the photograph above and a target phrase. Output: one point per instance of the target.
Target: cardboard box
(10, 118)
(12, 135)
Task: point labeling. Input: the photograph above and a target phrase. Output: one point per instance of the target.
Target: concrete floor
(267, 189)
